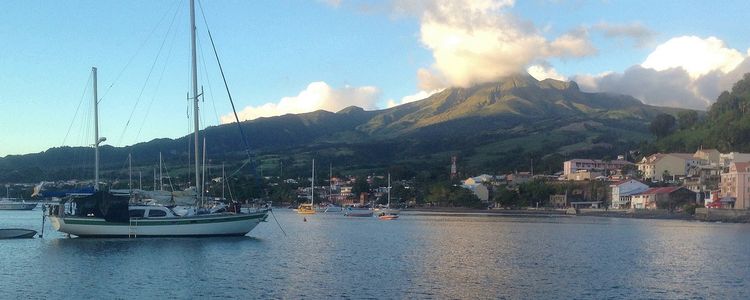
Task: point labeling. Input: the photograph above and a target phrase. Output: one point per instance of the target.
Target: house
(484, 178)
(669, 197)
(584, 175)
(477, 186)
(656, 166)
(735, 184)
(727, 159)
(622, 191)
(709, 157)
(518, 177)
(575, 165)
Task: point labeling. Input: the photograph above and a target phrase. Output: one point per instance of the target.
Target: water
(416, 256)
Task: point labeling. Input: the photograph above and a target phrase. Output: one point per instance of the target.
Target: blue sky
(298, 56)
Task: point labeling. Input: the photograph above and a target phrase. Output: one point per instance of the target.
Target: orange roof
(660, 190)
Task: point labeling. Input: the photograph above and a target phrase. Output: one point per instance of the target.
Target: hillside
(726, 126)
(492, 127)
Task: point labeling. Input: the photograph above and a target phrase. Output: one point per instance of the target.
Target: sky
(299, 56)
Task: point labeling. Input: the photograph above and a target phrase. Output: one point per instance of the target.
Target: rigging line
(229, 94)
(158, 84)
(148, 37)
(277, 222)
(86, 88)
(208, 82)
(148, 77)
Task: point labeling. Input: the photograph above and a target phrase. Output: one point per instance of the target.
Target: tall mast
(312, 184)
(389, 191)
(194, 68)
(96, 133)
(161, 178)
(130, 173)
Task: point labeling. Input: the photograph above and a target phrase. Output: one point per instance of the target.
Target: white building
(623, 190)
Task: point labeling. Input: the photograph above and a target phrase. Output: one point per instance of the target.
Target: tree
(687, 119)
(662, 125)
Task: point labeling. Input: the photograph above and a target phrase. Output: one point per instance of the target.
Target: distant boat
(307, 208)
(387, 213)
(358, 212)
(9, 203)
(387, 217)
(14, 204)
(16, 233)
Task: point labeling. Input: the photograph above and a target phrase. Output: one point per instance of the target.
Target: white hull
(225, 224)
(17, 206)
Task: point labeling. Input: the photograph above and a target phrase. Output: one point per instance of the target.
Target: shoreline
(624, 214)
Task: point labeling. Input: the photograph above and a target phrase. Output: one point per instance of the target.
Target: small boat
(387, 217)
(305, 208)
(358, 212)
(14, 204)
(16, 233)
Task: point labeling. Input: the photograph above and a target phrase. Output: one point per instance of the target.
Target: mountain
(491, 127)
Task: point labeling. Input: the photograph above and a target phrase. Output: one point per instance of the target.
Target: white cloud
(695, 55)
(541, 72)
(479, 41)
(317, 95)
(411, 98)
(685, 71)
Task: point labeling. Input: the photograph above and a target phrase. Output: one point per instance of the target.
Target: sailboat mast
(312, 184)
(389, 191)
(96, 133)
(194, 68)
(161, 177)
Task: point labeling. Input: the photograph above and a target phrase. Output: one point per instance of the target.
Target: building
(622, 192)
(478, 186)
(709, 157)
(727, 159)
(575, 165)
(735, 185)
(670, 197)
(655, 166)
(582, 175)
(558, 201)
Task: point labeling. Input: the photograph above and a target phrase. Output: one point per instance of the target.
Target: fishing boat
(16, 233)
(307, 208)
(106, 215)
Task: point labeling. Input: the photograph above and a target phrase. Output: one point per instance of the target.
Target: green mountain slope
(726, 126)
(492, 127)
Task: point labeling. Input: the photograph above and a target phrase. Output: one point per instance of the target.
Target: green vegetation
(726, 125)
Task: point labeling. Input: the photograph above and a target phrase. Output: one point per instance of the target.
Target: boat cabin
(150, 212)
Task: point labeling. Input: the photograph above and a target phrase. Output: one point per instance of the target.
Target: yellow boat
(306, 209)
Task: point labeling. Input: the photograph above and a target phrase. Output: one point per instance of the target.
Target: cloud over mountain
(317, 95)
(686, 71)
(480, 41)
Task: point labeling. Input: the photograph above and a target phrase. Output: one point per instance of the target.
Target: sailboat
(9, 203)
(305, 208)
(106, 215)
(388, 213)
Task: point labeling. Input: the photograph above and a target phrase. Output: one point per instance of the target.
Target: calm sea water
(416, 256)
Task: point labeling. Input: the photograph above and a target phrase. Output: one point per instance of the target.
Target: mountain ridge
(485, 124)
